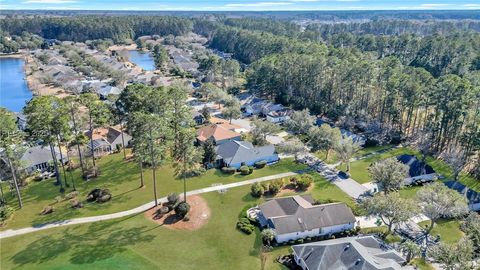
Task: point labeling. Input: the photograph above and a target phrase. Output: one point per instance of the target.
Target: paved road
(349, 186)
(140, 209)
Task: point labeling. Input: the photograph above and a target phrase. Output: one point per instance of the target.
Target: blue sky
(241, 4)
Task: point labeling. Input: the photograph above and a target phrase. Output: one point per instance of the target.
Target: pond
(142, 59)
(14, 91)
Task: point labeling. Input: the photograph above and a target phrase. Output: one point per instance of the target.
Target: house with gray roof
(107, 90)
(359, 252)
(297, 217)
(237, 153)
(473, 197)
(39, 158)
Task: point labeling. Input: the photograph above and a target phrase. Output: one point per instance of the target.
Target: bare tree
(457, 160)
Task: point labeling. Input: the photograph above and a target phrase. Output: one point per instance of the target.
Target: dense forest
(391, 78)
(405, 83)
(84, 28)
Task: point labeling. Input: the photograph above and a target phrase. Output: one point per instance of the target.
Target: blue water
(142, 59)
(14, 91)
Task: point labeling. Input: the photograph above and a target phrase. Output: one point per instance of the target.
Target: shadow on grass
(101, 241)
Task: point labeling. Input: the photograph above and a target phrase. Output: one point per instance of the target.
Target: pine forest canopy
(404, 73)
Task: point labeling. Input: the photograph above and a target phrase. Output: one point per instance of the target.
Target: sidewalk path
(140, 209)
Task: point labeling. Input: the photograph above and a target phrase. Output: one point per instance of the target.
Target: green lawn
(449, 230)
(368, 150)
(332, 157)
(409, 192)
(359, 169)
(421, 264)
(123, 180)
(137, 243)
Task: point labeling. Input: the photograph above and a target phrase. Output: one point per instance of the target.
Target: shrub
(173, 199)
(162, 210)
(267, 236)
(76, 203)
(182, 209)
(47, 210)
(323, 201)
(257, 190)
(229, 170)
(266, 186)
(71, 195)
(5, 213)
(300, 241)
(250, 170)
(244, 170)
(276, 186)
(260, 164)
(304, 182)
(99, 195)
(245, 226)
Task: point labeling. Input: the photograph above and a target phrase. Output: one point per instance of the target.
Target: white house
(280, 116)
(296, 217)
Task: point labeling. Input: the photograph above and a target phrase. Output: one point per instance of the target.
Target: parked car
(343, 175)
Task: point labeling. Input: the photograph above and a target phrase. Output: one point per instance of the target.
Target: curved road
(140, 209)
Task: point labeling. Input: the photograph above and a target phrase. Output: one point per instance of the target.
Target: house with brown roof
(107, 140)
(297, 217)
(217, 133)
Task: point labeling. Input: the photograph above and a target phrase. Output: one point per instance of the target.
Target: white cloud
(347, 0)
(304, 0)
(49, 1)
(259, 4)
(434, 5)
(471, 5)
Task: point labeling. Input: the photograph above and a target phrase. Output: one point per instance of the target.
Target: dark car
(343, 175)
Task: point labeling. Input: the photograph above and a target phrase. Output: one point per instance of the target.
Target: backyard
(137, 243)
(359, 169)
(122, 178)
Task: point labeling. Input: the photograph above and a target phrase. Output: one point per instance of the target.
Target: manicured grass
(332, 157)
(409, 192)
(442, 168)
(368, 150)
(122, 178)
(359, 169)
(324, 190)
(449, 230)
(137, 243)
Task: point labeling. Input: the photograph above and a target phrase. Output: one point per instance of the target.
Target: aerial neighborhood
(239, 140)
